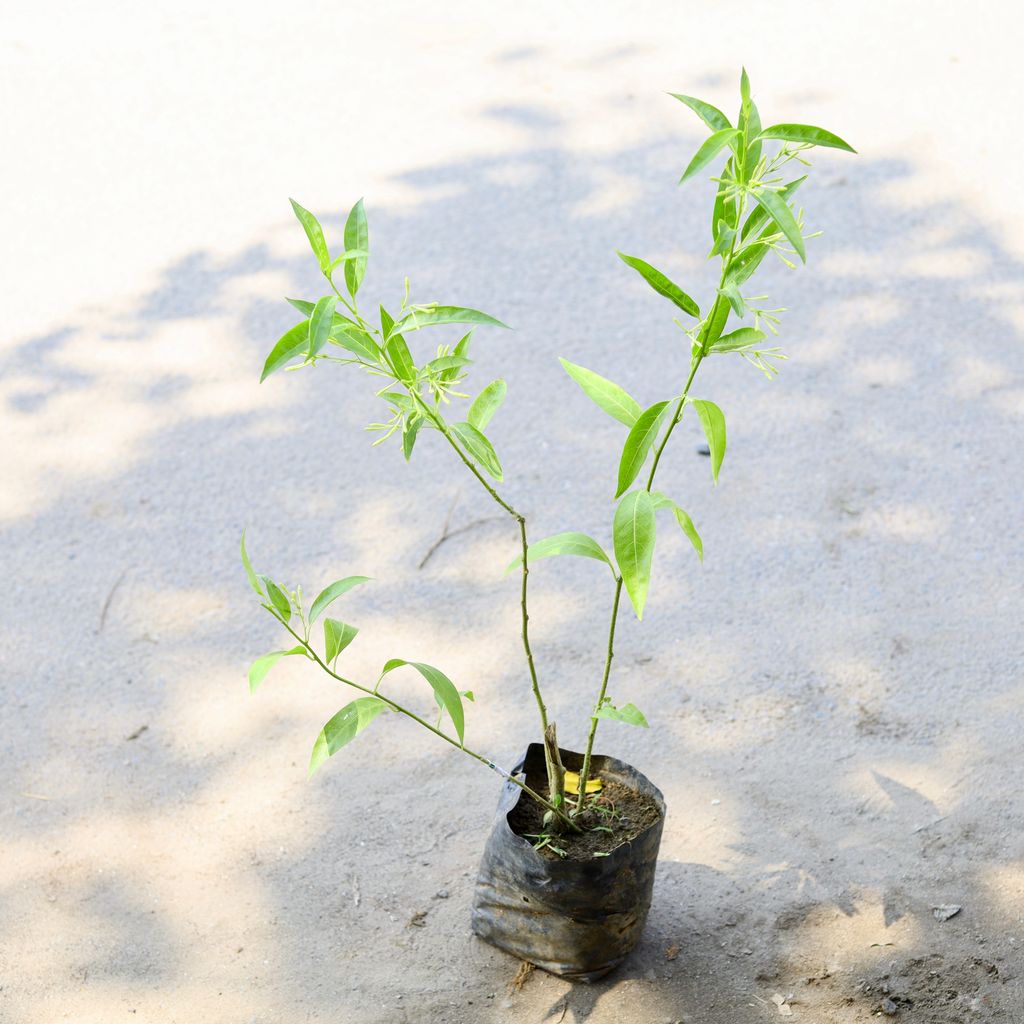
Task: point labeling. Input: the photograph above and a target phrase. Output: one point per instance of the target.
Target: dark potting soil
(624, 811)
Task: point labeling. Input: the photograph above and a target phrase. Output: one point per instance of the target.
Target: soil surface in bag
(615, 815)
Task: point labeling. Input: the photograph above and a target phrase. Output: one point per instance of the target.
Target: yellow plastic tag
(572, 784)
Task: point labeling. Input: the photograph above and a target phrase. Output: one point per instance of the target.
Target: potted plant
(568, 870)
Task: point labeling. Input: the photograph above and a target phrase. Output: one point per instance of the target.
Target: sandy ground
(835, 697)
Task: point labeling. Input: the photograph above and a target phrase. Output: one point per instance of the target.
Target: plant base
(578, 919)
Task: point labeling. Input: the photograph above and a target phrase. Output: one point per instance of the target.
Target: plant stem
(556, 787)
(585, 771)
(395, 706)
(676, 417)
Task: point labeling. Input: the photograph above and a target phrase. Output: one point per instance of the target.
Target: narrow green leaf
(345, 257)
(418, 318)
(742, 268)
(638, 443)
(710, 148)
(461, 349)
(410, 432)
(304, 307)
(337, 636)
(292, 343)
(344, 727)
(261, 666)
(738, 341)
(715, 324)
(712, 420)
(401, 358)
(442, 364)
(486, 404)
(479, 448)
(357, 236)
(354, 339)
(630, 714)
(731, 292)
(278, 598)
(723, 239)
(249, 570)
(685, 522)
(331, 593)
(634, 532)
(744, 86)
(758, 217)
(711, 116)
(320, 323)
(776, 208)
(607, 395)
(314, 233)
(661, 284)
(447, 696)
(563, 544)
(752, 135)
(806, 133)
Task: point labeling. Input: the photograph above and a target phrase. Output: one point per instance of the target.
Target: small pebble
(441, 894)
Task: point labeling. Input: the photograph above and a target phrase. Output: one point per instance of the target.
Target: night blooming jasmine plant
(424, 395)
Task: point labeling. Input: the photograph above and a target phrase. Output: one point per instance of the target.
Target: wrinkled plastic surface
(576, 919)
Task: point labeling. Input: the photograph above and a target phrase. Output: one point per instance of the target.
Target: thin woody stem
(395, 706)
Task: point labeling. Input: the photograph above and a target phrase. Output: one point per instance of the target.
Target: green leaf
(354, 339)
(743, 266)
(732, 293)
(278, 598)
(442, 364)
(486, 404)
(314, 233)
(292, 343)
(331, 593)
(563, 544)
(434, 315)
(685, 522)
(752, 126)
(713, 421)
(776, 208)
(304, 307)
(337, 636)
(615, 401)
(711, 116)
(320, 323)
(634, 532)
(759, 216)
(725, 208)
(661, 284)
(714, 324)
(410, 432)
(630, 714)
(344, 727)
(357, 236)
(723, 239)
(249, 570)
(461, 349)
(738, 341)
(806, 133)
(401, 358)
(710, 148)
(638, 443)
(347, 256)
(479, 448)
(744, 86)
(447, 696)
(261, 666)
